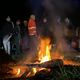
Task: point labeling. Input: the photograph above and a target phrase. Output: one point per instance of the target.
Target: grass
(59, 73)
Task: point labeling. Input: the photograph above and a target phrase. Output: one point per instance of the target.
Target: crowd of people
(18, 36)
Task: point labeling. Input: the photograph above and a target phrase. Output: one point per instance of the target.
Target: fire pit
(44, 68)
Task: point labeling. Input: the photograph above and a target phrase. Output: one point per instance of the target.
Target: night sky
(23, 8)
(13, 7)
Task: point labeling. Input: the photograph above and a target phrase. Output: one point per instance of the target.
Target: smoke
(57, 7)
(56, 10)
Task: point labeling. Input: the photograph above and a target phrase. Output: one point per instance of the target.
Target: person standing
(6, 43)
(25, 28)
(45, 31)
(24, 36)
(32, 31)
(7, 34)
(17, 37)
(32, 26)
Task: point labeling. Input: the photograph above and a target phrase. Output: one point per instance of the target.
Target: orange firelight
(44, 52)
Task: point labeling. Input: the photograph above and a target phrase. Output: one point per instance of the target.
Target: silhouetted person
(17, 37)
(7, 34)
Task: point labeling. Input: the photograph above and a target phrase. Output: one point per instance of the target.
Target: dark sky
(12, 7)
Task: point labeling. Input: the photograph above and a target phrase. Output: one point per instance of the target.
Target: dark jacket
(7, 28)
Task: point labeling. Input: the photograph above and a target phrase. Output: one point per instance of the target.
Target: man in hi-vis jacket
(32, 30)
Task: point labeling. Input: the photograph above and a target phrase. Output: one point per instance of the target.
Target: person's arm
(9, 36)
(12, 24)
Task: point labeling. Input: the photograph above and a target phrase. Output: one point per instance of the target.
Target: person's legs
(34, 46)
(8, 47)
(17, 45)
(29, 43)
(5, 45)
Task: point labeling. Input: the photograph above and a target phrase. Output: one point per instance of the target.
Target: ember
(16, 71)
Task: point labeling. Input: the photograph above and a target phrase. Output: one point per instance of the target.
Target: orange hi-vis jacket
(32, 27)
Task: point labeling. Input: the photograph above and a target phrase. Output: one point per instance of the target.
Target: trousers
(6, 43)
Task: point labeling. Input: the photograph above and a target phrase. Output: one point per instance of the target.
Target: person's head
(67, 21)
(32, 16)
(18, 22)
(25, 22)
(44, 20)
(8, 19)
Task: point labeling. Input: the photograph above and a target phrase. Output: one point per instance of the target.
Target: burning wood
(47, 64)
(44, 61)
(43, 55)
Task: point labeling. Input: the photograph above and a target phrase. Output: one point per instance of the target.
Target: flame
(34, 70)
(44, 55)
(18, 72)
(70, 62)
(58, 55)
(44, 52)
